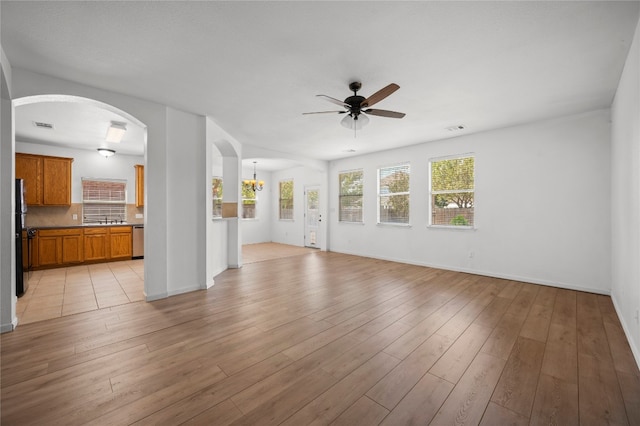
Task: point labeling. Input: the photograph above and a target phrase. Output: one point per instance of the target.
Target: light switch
(139, 216)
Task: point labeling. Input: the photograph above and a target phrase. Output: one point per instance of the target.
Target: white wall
(7, 204)
(186, 175)
(88, 163)
(625, 197)
(542, 210)
(292, 231)
(258, 230)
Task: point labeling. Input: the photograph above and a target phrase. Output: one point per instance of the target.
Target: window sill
(450, 227)
(344, 222)
(395, 225)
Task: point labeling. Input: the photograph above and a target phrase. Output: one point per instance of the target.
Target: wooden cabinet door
(49, 250)
(96, 244)
(72, 249)
(56, 181)
(139, 185)
(29, 168)
(120, 242)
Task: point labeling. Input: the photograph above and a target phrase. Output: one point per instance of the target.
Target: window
(452, 191)
(393, 194)
(286, 200)
(104, 200)
(216, 188)
(248, 202)
(350, 198)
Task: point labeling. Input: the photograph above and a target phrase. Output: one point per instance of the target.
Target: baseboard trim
(627, 331)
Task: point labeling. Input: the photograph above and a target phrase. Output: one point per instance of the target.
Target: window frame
(214, 198)
(280, 200)
(107, 203)
(390, 194)
(431, 193)
(242, 200)
(341, 195)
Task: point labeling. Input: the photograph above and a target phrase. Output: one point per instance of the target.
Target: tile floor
(58, 292)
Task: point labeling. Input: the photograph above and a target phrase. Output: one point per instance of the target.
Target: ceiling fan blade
(335, 101)
(324, 112)
(384, 113)
(379, 95)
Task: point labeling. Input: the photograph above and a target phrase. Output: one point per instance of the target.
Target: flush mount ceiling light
(106, 152)
(115, 132)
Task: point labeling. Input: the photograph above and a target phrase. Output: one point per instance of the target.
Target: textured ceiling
(254, 67)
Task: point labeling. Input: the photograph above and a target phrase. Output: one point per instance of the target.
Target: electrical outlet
(75, 216)
(637, 316)
(139, 216)
(471, 254)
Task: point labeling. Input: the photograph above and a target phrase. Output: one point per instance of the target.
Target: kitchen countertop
(90, 225)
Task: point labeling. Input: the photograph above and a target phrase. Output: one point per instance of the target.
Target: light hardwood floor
(325, 338)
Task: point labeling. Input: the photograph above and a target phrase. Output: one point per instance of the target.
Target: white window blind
(104, 200)
(351, 196)
(286, 200)
(393, 194)
(452, 191)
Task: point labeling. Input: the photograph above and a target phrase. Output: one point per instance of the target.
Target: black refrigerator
(22, 277)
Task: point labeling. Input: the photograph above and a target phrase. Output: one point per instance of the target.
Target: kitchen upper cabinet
(120, 242)
(47, 179)
(29, 168)
(139, 185)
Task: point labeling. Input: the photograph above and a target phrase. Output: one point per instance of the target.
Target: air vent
(43, 125)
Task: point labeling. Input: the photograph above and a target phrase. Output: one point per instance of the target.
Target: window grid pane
(217, 189)
(286, 200)
(393, 195)
(351, 196)
(249, 202)
(452, 191)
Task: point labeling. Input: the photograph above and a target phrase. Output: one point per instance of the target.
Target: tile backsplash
(63, 215)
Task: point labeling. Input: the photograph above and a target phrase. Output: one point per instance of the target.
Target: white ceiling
(255, 67)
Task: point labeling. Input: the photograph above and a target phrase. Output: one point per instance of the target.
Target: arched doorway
(77, 128)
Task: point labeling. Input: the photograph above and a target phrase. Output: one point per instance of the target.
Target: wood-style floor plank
(326, 338)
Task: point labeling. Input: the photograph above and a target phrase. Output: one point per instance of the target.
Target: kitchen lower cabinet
(58, 247)
(72, 246)
(120, 243)
(96, 244)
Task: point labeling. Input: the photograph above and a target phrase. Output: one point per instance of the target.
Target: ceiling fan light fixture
(116, 131)
(106, 152)
(356, 122)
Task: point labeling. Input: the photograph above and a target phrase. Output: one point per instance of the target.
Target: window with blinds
(452, 191)
(216, 188)
(286, 200)
(393, 194)
(104, 200)
(351, 196)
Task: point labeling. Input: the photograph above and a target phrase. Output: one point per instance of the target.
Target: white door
(312, 216)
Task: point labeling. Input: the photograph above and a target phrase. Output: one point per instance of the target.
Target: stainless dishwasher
(138, 242)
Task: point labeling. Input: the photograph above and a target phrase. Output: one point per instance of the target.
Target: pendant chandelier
(254, 184)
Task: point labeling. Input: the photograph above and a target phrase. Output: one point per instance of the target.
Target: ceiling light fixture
(115, 132)
(253, 184)
(106, 152)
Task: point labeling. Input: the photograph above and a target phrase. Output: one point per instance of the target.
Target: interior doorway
(312, 216)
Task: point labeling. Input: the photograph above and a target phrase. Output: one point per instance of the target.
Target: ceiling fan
(356, 105)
